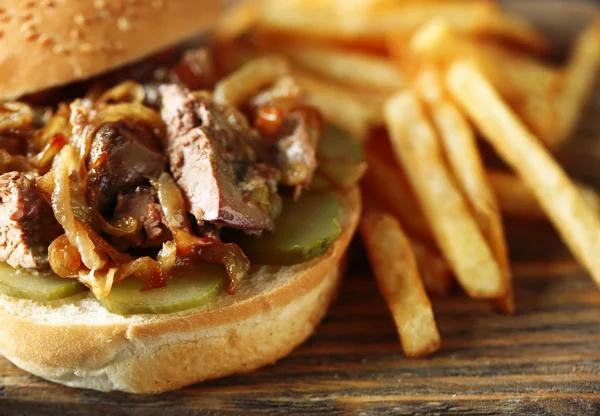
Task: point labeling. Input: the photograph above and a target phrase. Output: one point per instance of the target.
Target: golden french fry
(239, 86)
(460, 148)
(453, 225)
(240, 18)
(577, 223)
(337, 104)
(528, 85)
(350, 68)
(434, 270)
(580, 75)
(327, 19)
(398, 279)
(516, 199)
(386, 181)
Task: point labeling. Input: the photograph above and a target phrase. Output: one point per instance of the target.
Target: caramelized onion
(145, 269)
(167, 257)
(99, 281)
(131, 111)
(15, 115)
(64, 258)
(119, 228)
(11, 163)
(212, 251)
(125, 92)
(172, 202)
(65, 165)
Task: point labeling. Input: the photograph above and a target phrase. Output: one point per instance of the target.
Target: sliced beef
(142, 205)
(297, 148)
(27, 224)
(123, 155)
(213, 162)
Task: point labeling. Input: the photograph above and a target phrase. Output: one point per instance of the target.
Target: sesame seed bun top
(47, 43)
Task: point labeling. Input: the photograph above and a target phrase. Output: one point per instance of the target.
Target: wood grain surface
(543, 361)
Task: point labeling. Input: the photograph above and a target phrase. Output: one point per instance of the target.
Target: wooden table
(543, 361)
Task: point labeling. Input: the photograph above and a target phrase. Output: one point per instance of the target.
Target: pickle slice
(305, 230)
(189, 289)
(36, 285)
(341, 161)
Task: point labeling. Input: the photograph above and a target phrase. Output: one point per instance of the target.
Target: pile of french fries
(438, 75)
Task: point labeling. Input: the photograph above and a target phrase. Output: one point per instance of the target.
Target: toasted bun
(45, 43)
(78, 343)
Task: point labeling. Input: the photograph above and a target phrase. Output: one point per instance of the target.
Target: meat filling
(123, 155)
(27, 224)
(214, 164)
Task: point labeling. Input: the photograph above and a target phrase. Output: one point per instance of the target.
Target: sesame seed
(75, 33)
(27, 27)
(58, 49)
(99, 4)
(123, 24)
(45, 40)
(85, 47)
(79, 19)
(31, 36)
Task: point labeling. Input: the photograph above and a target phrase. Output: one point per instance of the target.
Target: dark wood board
(543, 361)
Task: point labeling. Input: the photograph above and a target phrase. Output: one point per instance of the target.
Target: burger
(154, 231)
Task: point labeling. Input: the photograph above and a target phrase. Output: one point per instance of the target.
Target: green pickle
(189, 289)
(35, 285)
(305, 230)
(341, 160)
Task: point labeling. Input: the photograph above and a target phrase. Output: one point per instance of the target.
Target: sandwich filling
(118, 178)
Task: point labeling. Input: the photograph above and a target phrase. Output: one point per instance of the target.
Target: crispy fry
(580, 76)
(249, 79)
(350, 68)
(240, 18)
(336, 104)
(398, 279)
(386, 181)
(460, 148)
(434, 270)
(327, 19)
(578, 224)
(516, 199)
(454, 227)
(528, 85)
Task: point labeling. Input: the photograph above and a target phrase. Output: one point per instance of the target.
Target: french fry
(577, 223)
(336, 104)
(580, 75)
(517, 201)
(348, 67)
(453, 225)
(327, 19)
(434, 270)
(528, 86)
(240, 18)
(398, 279)
(249, 79)
(460, 148)
(386, 181)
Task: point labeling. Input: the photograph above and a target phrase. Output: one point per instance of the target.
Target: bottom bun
(78, 343)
